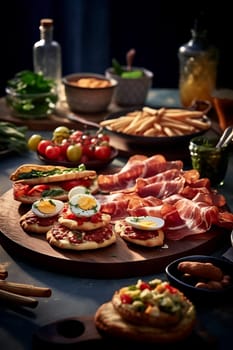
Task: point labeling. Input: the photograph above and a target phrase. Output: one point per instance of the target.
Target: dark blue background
(92, 32)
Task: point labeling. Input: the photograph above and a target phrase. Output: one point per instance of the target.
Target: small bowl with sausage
(202, 277)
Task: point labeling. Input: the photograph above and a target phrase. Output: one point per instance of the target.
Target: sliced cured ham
(161, 189)
(157, 187)
(137, 166)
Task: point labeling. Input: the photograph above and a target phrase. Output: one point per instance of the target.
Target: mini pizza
(141, 231)
(62, 237)
(81, 225)
(42, 215)
(153, 312)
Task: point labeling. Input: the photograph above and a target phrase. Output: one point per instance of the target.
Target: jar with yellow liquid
(198, 67)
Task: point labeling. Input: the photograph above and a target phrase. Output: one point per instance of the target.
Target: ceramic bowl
(88, 92)
(187, 285)
(131, 91)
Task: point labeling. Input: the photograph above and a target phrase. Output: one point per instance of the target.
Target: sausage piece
(201, 270)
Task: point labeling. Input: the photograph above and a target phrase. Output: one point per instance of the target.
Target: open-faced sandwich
(81, 225)
(143, 230)
(32, 181)
(153, 312)
(42, 215)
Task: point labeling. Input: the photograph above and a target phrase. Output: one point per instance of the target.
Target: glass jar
(47, 53)
(198, 68)
(211, 162)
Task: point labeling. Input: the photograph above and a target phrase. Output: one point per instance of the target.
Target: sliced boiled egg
(46, 207)
(84, 204)
(77, 190)
(145, 222)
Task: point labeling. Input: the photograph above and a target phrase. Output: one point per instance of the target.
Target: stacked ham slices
(157, 187)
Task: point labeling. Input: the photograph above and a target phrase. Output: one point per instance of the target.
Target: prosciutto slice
(157, 187)
(137, 166)
(161, 189)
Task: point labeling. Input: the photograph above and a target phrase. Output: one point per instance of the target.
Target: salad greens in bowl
(30, 95)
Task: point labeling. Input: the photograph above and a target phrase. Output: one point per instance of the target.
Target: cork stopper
(46, 22)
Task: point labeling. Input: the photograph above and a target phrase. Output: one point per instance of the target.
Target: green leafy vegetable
(28, 82)
(13, 138)
(31, 95)
(118, 69)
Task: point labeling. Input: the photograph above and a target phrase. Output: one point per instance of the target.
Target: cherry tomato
(61, 130)
(102, 152)
(89, 151)
(76, 135)
(52, 152)
(42, 145)
(74, 152)
(126, 299)
(68, 185)
(63, 147)
(103, 137)
(33, 141)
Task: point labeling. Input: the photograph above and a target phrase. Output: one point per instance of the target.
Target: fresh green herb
(28, 82)
(56, 171)
(31, 95)
(118, 69)
(52, 193)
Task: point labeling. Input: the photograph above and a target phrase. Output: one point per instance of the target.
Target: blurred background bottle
(198, 61)
(47, 53)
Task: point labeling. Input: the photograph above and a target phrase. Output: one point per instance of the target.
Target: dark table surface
(77, 297)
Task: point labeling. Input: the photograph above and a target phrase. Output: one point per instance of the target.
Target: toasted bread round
(110, 323)
(33, 224)
(135, 236)
(155, 304)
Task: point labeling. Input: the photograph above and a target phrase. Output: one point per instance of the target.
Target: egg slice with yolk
(145, 222)
(78, 190)
(84, 205)
(46, 207)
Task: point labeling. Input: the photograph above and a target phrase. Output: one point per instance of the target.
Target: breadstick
(150, 132)
(176, 125)
(150, 110)
(197, 123)
(25, 289)
(146, 124)
(16, 299)
(3, 272)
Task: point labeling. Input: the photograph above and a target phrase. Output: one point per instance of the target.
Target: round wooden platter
(116, 261)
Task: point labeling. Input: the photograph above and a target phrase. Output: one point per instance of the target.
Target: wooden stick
(18, 300)
(25, 289)
(3, 272)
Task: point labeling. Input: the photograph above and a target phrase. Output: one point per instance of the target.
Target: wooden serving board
(116, 261)
(82, 333)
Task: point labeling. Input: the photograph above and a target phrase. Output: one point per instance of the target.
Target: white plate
(145, 222)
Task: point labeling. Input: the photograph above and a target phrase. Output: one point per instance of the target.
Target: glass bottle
(47, 53)
(198, 61)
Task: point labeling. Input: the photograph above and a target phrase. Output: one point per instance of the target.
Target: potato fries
(158, 122)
